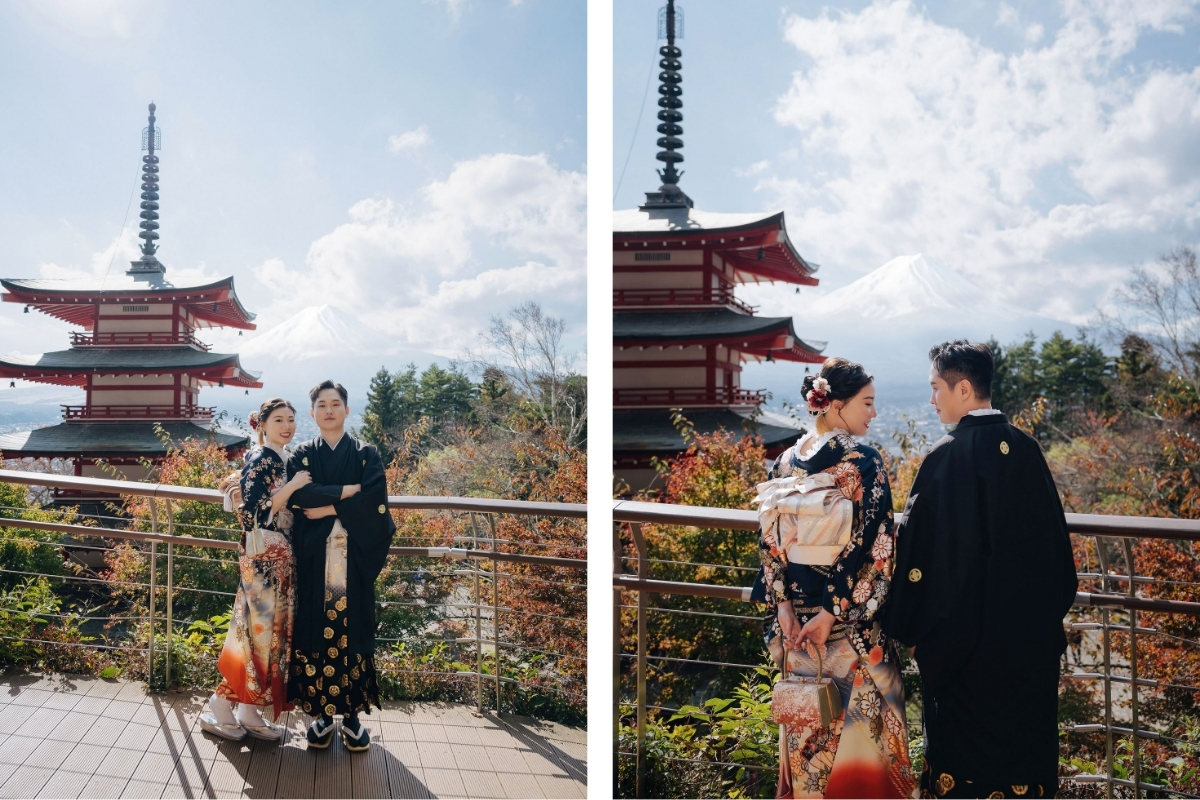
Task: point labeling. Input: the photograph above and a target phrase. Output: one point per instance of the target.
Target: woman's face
(856, 413)
(280, 426)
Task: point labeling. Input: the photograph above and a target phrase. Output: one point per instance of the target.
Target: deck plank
(113, 739)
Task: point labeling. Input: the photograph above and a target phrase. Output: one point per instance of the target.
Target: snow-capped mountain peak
(906, 285)
(314, 332)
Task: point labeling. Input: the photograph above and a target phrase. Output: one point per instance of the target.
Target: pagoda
(680, 334)
(137, 358)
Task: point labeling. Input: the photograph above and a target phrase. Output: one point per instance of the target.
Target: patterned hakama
(254, 661)
(333, 681)
(864, 753)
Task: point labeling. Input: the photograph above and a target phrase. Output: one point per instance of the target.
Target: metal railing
(633, 550)
(471, 559)
(693, 398)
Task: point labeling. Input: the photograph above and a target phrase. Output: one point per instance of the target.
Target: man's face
(951, 402)
(330, 411)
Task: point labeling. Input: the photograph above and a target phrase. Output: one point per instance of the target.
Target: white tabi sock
(222, 710)
(250, 716)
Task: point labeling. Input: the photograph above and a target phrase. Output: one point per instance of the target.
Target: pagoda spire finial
(151, 143)
(669, 195)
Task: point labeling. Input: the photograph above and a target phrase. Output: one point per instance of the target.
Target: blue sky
(1041, 149)
(419, 165)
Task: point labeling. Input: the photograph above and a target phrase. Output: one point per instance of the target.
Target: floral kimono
(864, 752)
(254, 661)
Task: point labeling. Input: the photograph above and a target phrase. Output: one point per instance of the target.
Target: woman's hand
(320, 513)
(817, 629)
(789, 626)
(300, 479)
(350, 490)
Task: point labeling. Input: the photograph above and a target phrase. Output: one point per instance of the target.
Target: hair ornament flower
(818, 397)
(253, 420)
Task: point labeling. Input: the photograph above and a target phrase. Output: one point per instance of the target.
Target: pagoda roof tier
(214, 304)
(100, 439)
(757, 247)
(755, 336)
(71, 367)
(638, 434)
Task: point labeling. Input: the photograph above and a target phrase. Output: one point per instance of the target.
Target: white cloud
(925, 140)
(497, 231)
(454, 7)
(753, 169)
(411, 140)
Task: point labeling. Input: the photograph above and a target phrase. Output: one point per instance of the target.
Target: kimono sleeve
(313, 495)
(257, 477)
(366, 517)
(860, 578)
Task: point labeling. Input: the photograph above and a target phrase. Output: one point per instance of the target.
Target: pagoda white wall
(156, 318)
(133, 472)
(661, 378)
(625, 258)
(133, 390)
(658, 280)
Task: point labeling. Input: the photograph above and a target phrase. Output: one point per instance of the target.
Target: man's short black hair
(322, 386)
(961, 360)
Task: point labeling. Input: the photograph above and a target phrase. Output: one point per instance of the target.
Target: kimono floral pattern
(864, 752)
(255, 658)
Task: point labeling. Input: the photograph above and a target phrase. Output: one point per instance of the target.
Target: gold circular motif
(354, 673)
(329, 633)
(996, 796)
(332, 652)
(382, 509)
(307, 707)
(1020, 791)
(331, 614)
(328, 595)
(1004, 449)
(328, 671)
(945, 783)
(914, 575)
(334, 690)
(340, 605)
(342, 641)
(330, 709)
(310, 670)
(312, 692)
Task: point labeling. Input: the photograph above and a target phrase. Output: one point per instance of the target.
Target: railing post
(643, 633)
(478, 622)
(153, 580)
(170, 587)
(618, 569)
(1106, 619)
(1133, 672)
(491, 518)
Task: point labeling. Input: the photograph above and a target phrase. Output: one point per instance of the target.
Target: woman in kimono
(254, 661)
(832, 609)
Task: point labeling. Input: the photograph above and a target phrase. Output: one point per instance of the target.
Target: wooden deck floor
(71, 736)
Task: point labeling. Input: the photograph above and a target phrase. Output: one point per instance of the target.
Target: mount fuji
(316, 343)
(888, 319)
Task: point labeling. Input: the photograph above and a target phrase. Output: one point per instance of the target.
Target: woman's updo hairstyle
(259, 418)
(839, 379)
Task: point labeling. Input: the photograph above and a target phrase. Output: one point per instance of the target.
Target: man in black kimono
(984, 576)
(340, 542)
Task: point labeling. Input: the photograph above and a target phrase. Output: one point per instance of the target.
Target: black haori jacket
(984, 576)
(369, 529)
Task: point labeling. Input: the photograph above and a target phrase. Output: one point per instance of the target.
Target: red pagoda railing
(650, 298)
(137, 412)
(136, 339)
(686, 397)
